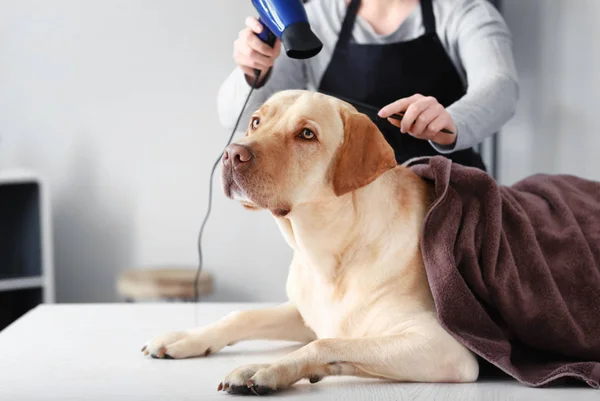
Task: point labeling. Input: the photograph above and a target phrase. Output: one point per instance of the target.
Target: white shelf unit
(26, 258)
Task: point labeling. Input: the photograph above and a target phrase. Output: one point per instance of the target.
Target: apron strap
(428, 16)
(348, 24)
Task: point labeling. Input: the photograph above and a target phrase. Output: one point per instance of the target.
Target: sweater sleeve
(484, 46)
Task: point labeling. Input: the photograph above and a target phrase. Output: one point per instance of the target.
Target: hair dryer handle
(267, 37)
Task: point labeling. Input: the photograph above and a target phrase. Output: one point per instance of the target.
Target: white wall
(114, 101)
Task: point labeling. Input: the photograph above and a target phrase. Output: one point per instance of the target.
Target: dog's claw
(239, 390)
(220, 386)
(261, 390)
(144, 348)
(162, 354)
(314, 379)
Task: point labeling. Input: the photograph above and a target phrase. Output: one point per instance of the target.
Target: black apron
(381, 74)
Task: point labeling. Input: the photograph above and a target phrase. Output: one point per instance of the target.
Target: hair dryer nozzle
(287, 20)
(300, 42)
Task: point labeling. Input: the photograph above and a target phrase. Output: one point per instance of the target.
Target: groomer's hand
(424, 118)
(249, 52)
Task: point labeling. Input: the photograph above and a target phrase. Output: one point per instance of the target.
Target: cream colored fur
(358, 292)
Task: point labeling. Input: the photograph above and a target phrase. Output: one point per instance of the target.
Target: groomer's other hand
(424, 118)
(249, 52)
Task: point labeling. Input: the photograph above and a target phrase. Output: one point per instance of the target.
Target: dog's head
(303, 147)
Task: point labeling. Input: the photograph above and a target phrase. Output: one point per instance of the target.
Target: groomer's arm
(286, 73)
(484, 45)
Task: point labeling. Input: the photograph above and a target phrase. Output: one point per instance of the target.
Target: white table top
(92, 352)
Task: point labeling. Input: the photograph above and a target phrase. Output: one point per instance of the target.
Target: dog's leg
(282, 322)
(430, 355)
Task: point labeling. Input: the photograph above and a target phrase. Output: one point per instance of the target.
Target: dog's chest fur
(350, 304)
(354, 273)
(327, 312)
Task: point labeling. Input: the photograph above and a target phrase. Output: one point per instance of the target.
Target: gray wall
(556, 129)
(114, 102)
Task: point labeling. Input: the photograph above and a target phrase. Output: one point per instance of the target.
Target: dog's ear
(363, 156)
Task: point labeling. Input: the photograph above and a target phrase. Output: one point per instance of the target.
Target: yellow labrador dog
(358, 292)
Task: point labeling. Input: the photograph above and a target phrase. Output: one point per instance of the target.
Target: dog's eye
(307, 134)
(255, 122)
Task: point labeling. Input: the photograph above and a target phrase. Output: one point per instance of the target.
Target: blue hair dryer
(287, 20)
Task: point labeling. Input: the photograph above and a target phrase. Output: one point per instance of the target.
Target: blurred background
(108, 108)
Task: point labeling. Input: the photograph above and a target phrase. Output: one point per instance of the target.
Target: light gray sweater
(473, 33)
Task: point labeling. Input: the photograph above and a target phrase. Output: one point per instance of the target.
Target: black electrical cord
(210, 186)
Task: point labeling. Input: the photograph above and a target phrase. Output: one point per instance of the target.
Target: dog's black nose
(237, 154)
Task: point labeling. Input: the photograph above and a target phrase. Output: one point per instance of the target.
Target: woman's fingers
(423, 120)
(394, 121)
(255, 43)
(251, 60)
(250, 53)
(253, 24)
(398, 106)
(413, 111)
(245, 56)
(437, 125)
(434, 130)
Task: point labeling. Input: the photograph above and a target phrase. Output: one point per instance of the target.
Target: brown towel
(515, 271)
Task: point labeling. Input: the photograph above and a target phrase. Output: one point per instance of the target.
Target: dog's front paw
(182, 344)
(260, 379)
(243, 380)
